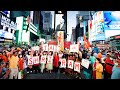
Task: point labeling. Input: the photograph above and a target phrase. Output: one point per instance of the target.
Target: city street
(49, 76)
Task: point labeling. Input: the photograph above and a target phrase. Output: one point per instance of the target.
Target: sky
(71, 21)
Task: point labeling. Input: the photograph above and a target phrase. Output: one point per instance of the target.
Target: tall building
(46, 24)
(47, 20)
(7, 28)
(73, 36)
(30, 35)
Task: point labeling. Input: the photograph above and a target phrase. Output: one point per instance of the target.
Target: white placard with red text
(35, 48)
(74, 48)
(51, 47)
(77, 67)
(63, 63)
(56, 48)
(45, 47)
(85, 63)
(50, 59)
(70, 64)
(36, 60)
(30, 60)
(43, 59)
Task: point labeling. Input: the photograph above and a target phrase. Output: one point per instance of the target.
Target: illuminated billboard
(98, 30)
(111, 23)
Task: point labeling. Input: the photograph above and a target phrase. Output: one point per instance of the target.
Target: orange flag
(86, 42)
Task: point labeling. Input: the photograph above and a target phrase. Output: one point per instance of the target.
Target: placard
(50, 59)
(74, 48)
(56, 48)
(45, 47)
(30, 60)
(43, 60)
(36, 60)
(70, 64)
(85, 63)
(35, 48)
(63, 63)
(51, 47)
(77, 67)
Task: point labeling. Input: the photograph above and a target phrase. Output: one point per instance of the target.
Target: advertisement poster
(98, 19)
(60, 39)
(111, 23)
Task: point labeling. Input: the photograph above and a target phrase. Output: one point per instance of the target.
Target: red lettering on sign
(70, 64)
(30, 59)
(63, 62)
(77, 66)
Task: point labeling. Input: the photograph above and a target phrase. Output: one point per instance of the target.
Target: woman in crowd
(97, 69)
(42, 65)
(30, 67)
(56, 62)
(50, 65)
(36, 66)
(88, 71)
(21, 64)
(92, 59)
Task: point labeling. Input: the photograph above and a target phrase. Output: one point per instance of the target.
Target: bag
(19, 75)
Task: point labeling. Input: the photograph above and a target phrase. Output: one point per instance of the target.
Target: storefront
(115, 42)
(7, 29)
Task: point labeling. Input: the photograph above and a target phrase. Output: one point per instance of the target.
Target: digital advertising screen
(98, 26)
(111, 23)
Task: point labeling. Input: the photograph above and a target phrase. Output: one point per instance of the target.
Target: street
(49, 76)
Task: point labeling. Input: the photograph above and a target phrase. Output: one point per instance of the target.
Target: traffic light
(26, 22)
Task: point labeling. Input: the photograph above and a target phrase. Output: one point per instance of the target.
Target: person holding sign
(88, 71)
(43, 62)
(36, 62)
(55, 62)
(49, 64)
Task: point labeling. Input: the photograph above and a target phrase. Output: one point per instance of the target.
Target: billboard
(98, 26)
(60, 40)
(111, 23)
(6, 34)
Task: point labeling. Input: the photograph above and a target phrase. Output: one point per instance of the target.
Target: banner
(85, 63)
(77, 67)
(63, 63)
(45, 47)
(70, 64)
(50, 59)
(51, 47)
(43, 60)
(60, 40)
(74, 48)
(36, 60)
(67, 44)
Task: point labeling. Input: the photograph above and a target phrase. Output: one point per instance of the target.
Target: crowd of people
(103, 64)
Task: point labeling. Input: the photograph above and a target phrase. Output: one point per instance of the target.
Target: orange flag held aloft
(86, 42)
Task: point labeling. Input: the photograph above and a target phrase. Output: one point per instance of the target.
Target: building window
(1, 27)
(6, 29)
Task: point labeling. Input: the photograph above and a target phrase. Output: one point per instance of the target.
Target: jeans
(13, 73)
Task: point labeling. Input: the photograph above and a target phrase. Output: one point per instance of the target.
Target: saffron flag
(86, 42)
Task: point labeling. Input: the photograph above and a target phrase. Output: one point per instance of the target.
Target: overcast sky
(71, 21)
